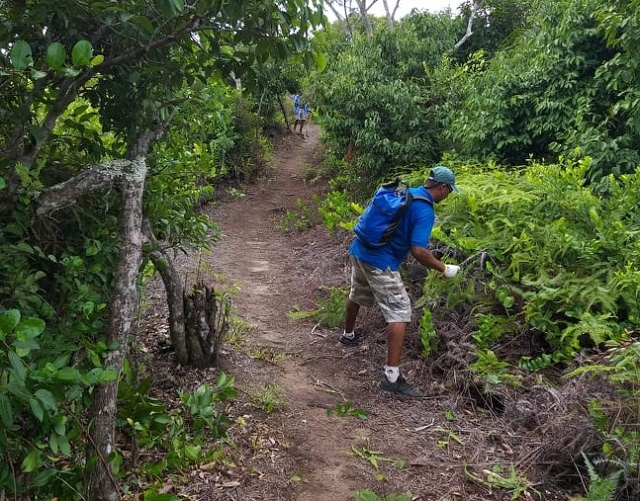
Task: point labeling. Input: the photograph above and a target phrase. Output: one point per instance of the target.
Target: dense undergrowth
(547, 259)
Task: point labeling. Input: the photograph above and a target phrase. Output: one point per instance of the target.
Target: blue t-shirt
(414, 229)
(296, 104)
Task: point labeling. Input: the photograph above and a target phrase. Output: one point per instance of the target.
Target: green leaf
(23, 348)
(17, 366)
(21, 57)
(30, 328)
(6, 412)
(36, 409)
(170, 8)
(8, 321)
(193, 452)
(56, 55)
(37, 74)
(47, 399)
(143, 22)
(320, 59)
(70, 72)
(97, 60)
(44, 477)
(20, 392)
(366, 495)
(3, 183)
(82, 53)
(68, 375)
(64, 445)
(53, 443)
(32, 461)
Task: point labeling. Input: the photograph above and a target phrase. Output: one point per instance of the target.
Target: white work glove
(451, 270)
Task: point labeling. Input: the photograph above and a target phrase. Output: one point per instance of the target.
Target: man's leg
(393, 381)
(359, 295)
(351, 315)
(395, 339)
(395, 304)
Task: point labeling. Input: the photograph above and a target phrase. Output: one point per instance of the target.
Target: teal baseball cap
(442, 174)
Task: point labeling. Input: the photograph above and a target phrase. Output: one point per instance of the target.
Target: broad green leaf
(56, 55)
(193, 451)
(143, 22)
(30, 328)
(82, 53)
(32, 461)
(320, 59)
(366, 496)
(68, 374)
(21, 57)
(24, 347)
(6, 412)
(3, 183)
(59, 425)
(47, 399)
(8, 321)
(44, 477)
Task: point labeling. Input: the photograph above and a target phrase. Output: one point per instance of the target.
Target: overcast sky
(406, 6)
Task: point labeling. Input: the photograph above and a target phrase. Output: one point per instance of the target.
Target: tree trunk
(175, 305)
(364, 15)
(175, 295)
(100, 484)
(284, 113)
(206, 322)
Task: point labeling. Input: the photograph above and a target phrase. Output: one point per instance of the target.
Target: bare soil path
(299, 449)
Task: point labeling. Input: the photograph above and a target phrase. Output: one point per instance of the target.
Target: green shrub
(560, 257)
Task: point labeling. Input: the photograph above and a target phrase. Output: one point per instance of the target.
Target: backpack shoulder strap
(424, 199)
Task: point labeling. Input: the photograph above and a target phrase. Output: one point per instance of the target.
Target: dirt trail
(257, 258)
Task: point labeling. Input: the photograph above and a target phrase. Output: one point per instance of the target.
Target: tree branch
(469, 32)
(96, 177)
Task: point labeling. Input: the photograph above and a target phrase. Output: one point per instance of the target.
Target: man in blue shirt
(375, 277)
(301, 110)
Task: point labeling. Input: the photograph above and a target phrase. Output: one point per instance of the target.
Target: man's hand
(451, 270)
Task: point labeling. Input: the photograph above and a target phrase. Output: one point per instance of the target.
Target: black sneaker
(350, 341)
(400, 387)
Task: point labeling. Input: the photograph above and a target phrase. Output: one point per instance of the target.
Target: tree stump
(206, 314)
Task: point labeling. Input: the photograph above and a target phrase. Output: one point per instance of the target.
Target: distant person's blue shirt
(296, 104)
(414, 229)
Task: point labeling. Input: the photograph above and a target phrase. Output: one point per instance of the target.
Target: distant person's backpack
(383, 214)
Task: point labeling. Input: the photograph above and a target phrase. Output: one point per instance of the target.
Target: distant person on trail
(375, 277)
(301, 110)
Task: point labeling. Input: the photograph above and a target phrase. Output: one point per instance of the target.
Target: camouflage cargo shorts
(370, 285)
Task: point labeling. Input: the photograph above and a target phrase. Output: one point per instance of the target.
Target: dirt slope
(300, 452)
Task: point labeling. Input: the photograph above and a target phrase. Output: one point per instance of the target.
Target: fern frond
(600, 488)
